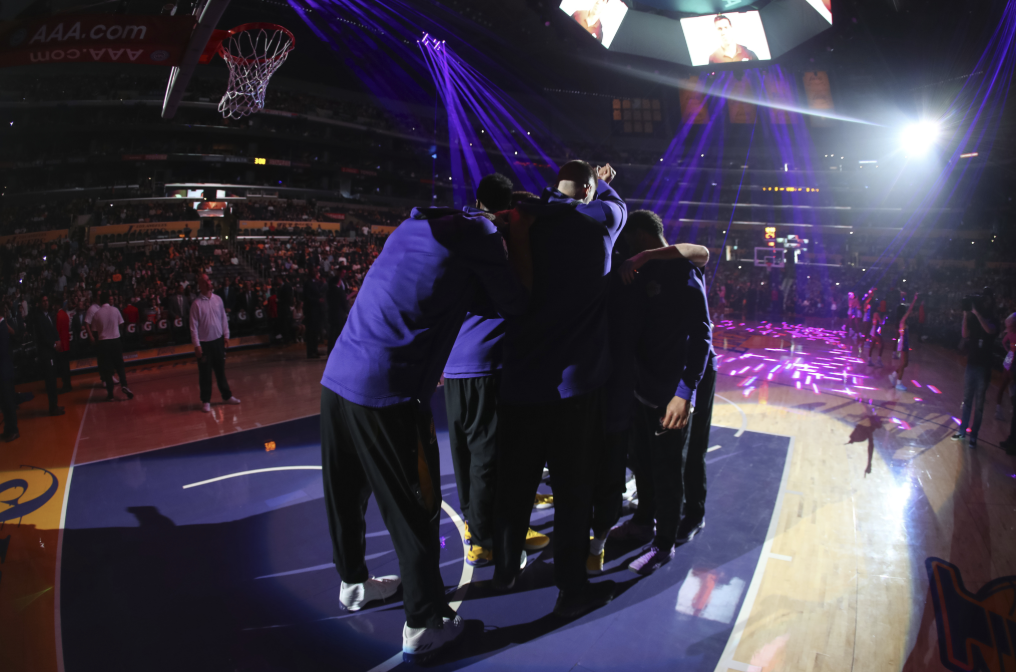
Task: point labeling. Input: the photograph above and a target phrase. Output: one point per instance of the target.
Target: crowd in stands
(154, 282)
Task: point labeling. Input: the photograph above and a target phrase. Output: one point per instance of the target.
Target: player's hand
(630, 267)
(225, 343)
(606, 173)
(677, 414)
(197, 351)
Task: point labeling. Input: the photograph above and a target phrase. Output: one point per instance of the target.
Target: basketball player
(624, 303)
(556, 363)
(472, 375)
(674, 359)
(377, 434)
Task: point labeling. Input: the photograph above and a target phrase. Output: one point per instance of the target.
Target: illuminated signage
(260, 162)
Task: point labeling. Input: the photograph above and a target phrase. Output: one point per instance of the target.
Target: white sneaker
(206, 408)
(232, 401)
(421, 644)
(892, 379)
(354, 596)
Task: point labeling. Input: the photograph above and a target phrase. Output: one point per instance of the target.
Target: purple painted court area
(236, 574)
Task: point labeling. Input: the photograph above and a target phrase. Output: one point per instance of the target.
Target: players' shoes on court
(652, 558)
(477, 556)
(419, 645)
(630, 530)
(687, 530)
(232, 401)
(354, 596)
(594, 563)
(502, 584)
(126, 390)
(206, 408)
(544, 501)
(467, 536)
(959, 436)
(575, 602)
(535, 541)
(892, 379)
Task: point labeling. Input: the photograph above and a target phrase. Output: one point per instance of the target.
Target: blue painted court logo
(976, 631)
(21, 504)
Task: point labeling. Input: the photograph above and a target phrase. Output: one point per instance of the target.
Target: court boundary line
(457, 598)
(206, 438)
(727, 661)
(57, 620)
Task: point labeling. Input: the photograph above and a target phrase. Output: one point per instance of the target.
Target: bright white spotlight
(917, 139)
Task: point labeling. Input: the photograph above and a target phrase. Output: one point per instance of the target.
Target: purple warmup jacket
(559, 347)
(477, 350)
(412, 303)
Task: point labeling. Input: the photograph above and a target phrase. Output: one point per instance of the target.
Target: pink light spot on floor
(934, 389)
(798, 383)
(815, 387)
(747, 392)
(916, 384)
(918, 399)
(957, 420)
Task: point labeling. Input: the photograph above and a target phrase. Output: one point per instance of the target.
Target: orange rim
(256, 26)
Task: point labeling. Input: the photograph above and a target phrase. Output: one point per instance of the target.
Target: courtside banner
(89, 38)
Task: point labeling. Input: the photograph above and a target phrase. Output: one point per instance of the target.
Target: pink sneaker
(652, 559)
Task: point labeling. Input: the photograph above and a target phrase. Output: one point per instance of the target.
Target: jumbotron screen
(725, 38)
(709, 40)
(599, 18)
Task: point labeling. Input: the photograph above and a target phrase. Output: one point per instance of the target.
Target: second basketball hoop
(253, 52)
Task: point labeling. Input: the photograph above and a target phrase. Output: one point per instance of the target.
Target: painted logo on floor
(17, 508)
(976, 631)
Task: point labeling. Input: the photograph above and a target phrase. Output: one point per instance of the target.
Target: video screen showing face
(599, 18)
(725, 38)
(824, 8)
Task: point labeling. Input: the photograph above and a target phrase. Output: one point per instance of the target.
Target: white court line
(467, 576)
(777, 556)
(744, 418)
(712, 448)
(57, 624)
(184, 443)
(247, 473)
(727, 658)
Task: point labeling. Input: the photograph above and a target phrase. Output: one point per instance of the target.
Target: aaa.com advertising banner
(90, 38)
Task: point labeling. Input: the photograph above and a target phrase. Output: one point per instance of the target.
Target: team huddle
(569, 335)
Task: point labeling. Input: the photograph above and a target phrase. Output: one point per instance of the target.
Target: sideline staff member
(209, 330)
(105, 323)
(377, 434)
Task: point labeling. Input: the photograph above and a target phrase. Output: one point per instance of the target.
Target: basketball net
(253, 52)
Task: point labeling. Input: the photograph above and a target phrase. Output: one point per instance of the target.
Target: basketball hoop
(253, 52)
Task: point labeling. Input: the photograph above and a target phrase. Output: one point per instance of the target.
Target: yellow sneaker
(467, 536)
(479, 556)
(594, 564)
(544, 501)
(535, 541)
